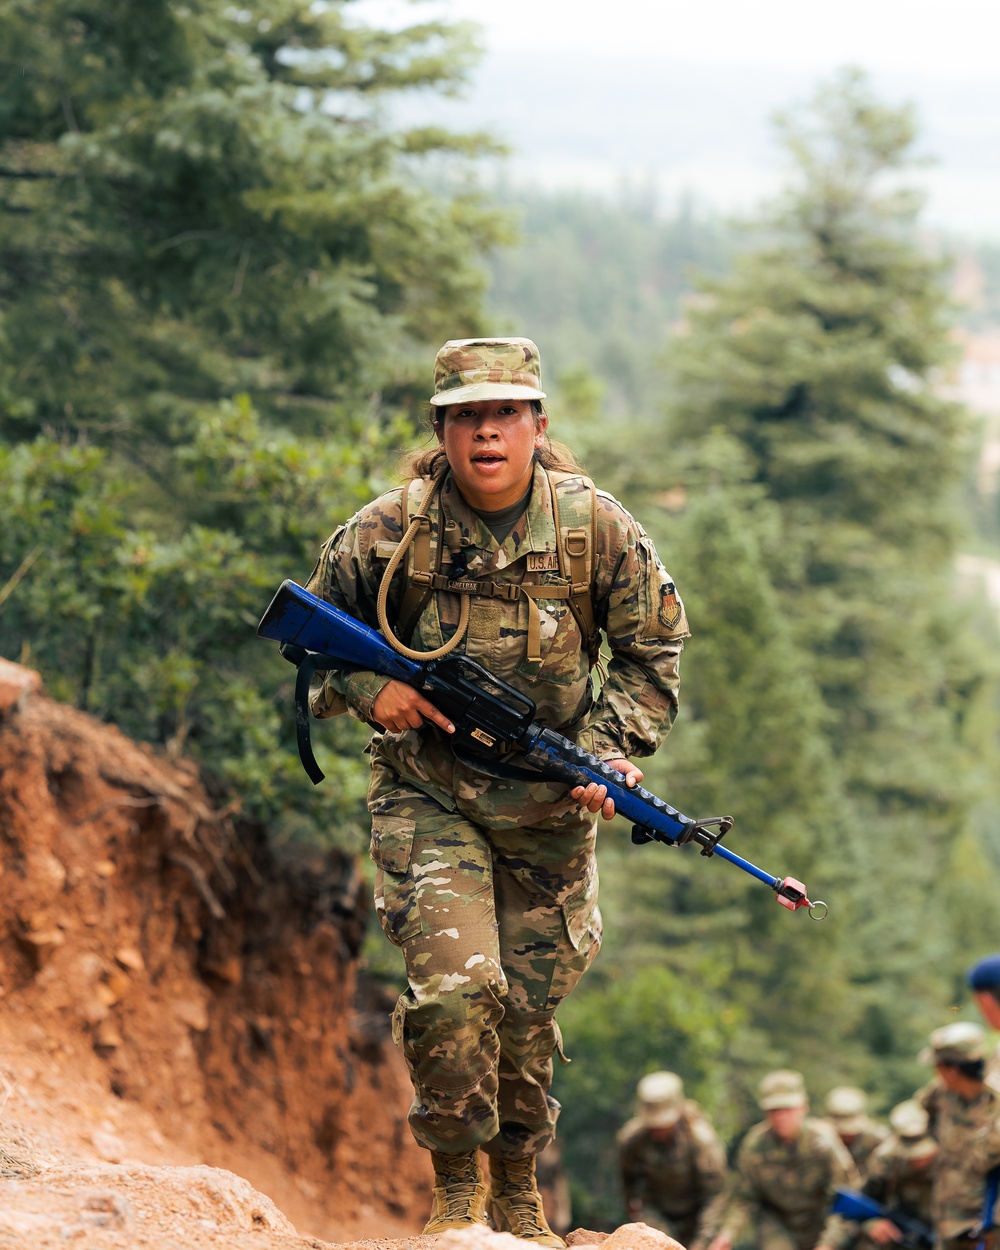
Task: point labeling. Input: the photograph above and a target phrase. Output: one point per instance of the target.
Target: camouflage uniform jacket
(870, 1137)
(634, 604)
(793, 1182)
(680, 1177)
(968, 1137)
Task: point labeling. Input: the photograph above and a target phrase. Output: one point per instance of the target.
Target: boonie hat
(661, 1099)
(908, 1120)
(985, 973)
(847, 1105)
(469, 370)
(783, 1088)
(961, 1042)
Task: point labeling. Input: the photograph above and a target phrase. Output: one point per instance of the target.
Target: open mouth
(488, 457)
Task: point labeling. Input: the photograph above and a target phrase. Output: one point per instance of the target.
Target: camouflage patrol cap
(847, 1106)
(783, 1088)
(661, 1099)
(469, 370)
(909, 1121)
(961, 1042)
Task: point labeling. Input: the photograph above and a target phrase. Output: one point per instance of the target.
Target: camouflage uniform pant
(774, 1234)
(496, 927)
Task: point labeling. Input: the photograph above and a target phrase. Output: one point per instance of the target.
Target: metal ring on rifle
(813, 907)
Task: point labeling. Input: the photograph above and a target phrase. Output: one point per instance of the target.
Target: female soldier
(489, 885)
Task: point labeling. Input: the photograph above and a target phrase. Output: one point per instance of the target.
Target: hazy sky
(678, 94)
(946, 37)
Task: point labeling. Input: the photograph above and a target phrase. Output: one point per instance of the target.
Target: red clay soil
(172, 996)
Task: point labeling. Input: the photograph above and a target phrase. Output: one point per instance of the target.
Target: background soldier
(984, 981)
(900, 1177)
(673, 1166)
(965, 1118)
(787, 1170)
(846, 1109)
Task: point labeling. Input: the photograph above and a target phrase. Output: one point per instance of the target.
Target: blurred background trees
(221, 277)
(808, 497)
(224, 274)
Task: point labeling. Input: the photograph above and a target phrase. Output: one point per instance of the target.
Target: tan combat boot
(516, 1204)
(459, 1192)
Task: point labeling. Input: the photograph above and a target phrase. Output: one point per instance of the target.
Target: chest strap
(576, 547)
(577, 554)
(510, 591)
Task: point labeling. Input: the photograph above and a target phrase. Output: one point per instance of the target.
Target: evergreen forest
(223, 277)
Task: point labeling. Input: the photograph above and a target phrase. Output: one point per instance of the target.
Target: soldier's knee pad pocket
(395, 891)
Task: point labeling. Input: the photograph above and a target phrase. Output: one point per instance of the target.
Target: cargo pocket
(584, 925)
(392, 842)
(560, 1047)
(560, 642)
(581, 940)
(395, 893)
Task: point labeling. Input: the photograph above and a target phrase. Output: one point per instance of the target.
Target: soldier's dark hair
(551, 454)
(974, 1069)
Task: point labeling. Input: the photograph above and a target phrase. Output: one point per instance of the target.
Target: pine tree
(222, 278)
(833, 698)
(819, 357)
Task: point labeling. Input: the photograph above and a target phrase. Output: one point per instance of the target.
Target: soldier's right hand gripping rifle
(852, 1204)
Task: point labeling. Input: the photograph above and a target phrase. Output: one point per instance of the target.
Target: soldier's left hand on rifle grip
(594, 798)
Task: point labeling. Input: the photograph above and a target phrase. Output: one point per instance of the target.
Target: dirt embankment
(172, 995)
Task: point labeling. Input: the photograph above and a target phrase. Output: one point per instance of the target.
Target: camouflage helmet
(783, 1088)
(661, 1099)
(846, 1106)
(961, 1042)
(467, 371)
(909, 1121)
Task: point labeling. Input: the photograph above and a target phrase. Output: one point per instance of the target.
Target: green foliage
(221, 275)
(819, 355)
(222, 278)
(653, 1012)
(200, 201)
(807, 495)
(599, 285)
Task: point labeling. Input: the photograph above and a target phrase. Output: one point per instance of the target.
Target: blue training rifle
(489, 717)
(853, 1204)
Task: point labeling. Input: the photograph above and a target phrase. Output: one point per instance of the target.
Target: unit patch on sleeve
(670, 605)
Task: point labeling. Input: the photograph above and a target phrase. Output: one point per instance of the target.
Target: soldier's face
(922, 1162)
(786, 1121)
(990, 1008)
(490, 446)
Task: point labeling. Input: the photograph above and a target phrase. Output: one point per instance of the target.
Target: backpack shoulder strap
(574, 514)
(415, 596)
